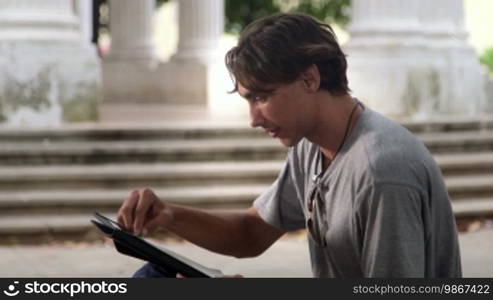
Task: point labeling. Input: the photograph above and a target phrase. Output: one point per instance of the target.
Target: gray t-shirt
(387, 210)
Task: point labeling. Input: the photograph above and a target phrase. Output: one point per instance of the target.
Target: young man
(369, 193)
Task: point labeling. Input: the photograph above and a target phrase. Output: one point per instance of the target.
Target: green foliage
(487, 59)
(329, 11)
(240, 13)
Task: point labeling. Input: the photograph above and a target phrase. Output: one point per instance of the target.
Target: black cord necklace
(346, 131)
(348, 124)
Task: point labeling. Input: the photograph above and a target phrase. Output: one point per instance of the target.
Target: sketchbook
(167, 260)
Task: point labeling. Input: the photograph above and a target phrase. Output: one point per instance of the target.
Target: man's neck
(333, 122)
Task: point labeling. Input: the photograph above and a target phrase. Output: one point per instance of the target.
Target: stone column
(131, 29)
(201, 23)
(128, 68)
(405, 58)
(384, 44)
(381, 20)
(29, 20)
(84, 14)
(460, 81)
(131, 73)
(47, 74)
(193, 67)
(443, 19)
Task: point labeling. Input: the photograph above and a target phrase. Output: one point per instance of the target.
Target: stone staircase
(52, 180)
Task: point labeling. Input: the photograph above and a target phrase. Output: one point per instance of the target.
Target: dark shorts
(152, 271)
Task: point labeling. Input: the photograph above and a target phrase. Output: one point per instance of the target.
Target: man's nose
(256, 117)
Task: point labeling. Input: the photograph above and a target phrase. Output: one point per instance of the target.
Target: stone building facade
(406, 59)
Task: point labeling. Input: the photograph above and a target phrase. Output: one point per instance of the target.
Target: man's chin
(288, 142)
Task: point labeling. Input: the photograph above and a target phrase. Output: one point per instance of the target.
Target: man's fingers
(146, 200)
(126, 212)
(140, 208)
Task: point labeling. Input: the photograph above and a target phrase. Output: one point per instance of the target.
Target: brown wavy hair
(277, 49)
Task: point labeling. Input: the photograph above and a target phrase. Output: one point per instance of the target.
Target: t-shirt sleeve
(390, 228)
(280, 204)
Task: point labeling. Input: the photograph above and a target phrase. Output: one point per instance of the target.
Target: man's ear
(311, 78)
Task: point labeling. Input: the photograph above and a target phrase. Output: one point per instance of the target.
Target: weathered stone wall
(49, 71)
(411, 59)
(47, 84)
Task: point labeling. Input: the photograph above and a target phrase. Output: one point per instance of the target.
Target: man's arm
(239, 234)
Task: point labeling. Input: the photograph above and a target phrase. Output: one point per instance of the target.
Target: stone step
(48, 227)
(201, 129)
(473, 207)
(469, 186)
(138, 175)
(140, 151)
(127, 132)
(71, 144)
(448, 124)
(189, 173)
(462, 141)
(84, 200)
(465, 163)
(52, 180)
(29, 153)
(239, 195)
(35, 228)
(44, 223)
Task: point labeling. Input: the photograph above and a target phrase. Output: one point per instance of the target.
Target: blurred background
(101, 97)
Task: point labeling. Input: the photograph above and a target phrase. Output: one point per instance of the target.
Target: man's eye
(260, 98)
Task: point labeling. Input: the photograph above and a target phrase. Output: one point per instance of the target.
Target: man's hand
(144, 212)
